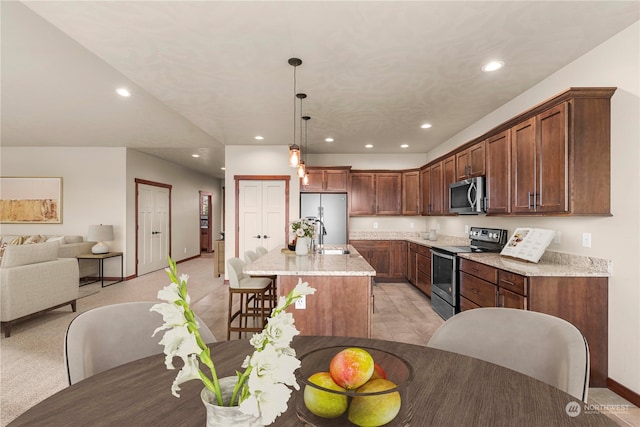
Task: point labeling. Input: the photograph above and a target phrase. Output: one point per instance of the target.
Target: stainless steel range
(444, 267)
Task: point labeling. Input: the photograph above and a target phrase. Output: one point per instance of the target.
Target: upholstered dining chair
(249, 289)
(261, 250)
(545, 347)
(110, 336)
(250, 256)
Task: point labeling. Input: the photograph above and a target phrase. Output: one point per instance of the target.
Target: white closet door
(153, 228)
(274, 228)
(261, 216)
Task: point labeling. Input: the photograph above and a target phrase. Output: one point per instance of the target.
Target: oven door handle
(442, 255)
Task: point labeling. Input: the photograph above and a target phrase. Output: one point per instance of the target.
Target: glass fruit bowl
(353, 386)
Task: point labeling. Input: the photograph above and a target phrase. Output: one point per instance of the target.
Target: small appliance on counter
(444, 267)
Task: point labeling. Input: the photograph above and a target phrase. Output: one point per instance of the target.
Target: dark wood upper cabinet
(539, 163)
(425, 190)
(471, 162)
(448, 177)
(411, 193)
(436, 194)
(362, 197)
(326, 180)
(498, 182)
(388, 193)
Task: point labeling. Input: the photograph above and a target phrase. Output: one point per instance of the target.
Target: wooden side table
(101, 258)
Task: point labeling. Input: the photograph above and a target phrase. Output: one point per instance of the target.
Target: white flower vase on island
(303, 230)
(255, 396)
(302, 246)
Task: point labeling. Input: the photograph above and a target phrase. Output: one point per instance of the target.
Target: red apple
(351, 367)
(378, 372)
(323, 403)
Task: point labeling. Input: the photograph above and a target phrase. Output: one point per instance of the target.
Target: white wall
(108, 197)
(252, 160)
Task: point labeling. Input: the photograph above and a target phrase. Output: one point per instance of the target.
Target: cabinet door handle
(529, 200)
(508, 282)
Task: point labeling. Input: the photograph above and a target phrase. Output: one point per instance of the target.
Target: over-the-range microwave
(467, 197)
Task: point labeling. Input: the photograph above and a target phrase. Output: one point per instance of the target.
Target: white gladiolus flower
(179, 342)
(269, 371)
(172, 315)
(190, 371)
(170, 293)
(280, 330)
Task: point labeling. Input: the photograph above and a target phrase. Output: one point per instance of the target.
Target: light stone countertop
(277, 263)
(551, 264)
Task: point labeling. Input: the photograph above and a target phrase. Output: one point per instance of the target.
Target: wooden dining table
(448, 389)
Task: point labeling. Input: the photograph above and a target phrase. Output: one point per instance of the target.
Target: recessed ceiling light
(404, 146)
(492, 66)
(258, 137)
(123, 91)
(425, 125)
(195, 155)
(368, 146)
(223, 168)
(329, 139)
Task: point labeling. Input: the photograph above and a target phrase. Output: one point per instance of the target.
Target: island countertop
(279, 263)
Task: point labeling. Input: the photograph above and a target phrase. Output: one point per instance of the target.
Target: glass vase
(226, 416)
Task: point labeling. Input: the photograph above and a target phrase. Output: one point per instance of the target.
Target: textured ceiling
(208, 74)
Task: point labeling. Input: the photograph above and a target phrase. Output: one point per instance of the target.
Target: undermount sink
(333, 251)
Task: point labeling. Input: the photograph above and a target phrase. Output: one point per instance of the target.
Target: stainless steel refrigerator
(331, 210)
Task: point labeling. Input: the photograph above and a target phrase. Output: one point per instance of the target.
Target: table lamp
(101, 234)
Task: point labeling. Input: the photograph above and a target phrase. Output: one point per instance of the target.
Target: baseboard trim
(624, 392)
(188, 259)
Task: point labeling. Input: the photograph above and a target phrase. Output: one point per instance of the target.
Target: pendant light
(301, 165)
(294, 149)
(305, 178)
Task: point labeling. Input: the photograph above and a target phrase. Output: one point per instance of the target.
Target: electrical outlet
(375, 225)
(558, 238)
(411, 225)
(586, 240)
(466, 229)
(185, 250)
(301, 303)
(437, 226)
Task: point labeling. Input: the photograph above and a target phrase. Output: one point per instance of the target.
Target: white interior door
(153, 228)
(261, 216)
(274, 228)
(250, 216)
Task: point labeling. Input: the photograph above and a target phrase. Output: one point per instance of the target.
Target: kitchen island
(343, 302)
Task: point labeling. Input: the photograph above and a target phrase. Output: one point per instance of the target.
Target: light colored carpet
(32, 362)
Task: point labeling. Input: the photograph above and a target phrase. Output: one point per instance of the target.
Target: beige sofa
(69, 247)
(33, 280)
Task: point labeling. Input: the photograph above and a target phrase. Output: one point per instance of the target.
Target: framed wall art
(31, 200)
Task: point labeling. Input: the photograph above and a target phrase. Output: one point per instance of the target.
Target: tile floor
(404, 314)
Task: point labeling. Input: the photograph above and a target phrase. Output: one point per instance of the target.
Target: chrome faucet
(322, 231)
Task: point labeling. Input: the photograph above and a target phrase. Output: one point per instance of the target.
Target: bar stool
(261, 250)
(250, 289)
(251, 256)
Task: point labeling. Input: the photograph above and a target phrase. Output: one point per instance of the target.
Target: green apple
(324, 403)
(376, 410)
(351, 367)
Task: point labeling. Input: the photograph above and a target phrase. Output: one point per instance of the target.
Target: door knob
(265, 237)
(257, 237)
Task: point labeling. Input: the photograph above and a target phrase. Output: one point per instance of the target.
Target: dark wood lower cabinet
(387, 257)
(582, 301)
